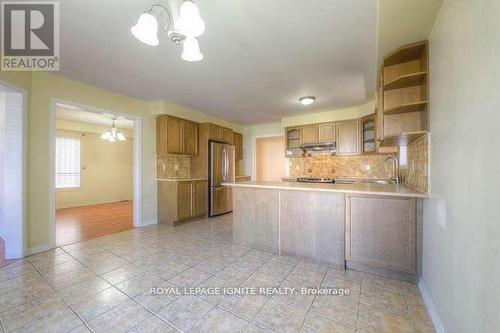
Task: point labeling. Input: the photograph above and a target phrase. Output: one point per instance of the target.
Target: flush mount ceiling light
(113, 135)
(307, 100)
(189, 25)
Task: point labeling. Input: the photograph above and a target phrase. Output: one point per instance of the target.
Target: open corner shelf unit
(403, 95)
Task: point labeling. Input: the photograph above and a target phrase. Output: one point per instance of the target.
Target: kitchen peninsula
(370, 227)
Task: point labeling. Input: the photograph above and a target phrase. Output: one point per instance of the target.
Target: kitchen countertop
(242, 176)
(179, 179)
(395, 190)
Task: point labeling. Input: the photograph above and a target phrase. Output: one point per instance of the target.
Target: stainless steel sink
(376, 181)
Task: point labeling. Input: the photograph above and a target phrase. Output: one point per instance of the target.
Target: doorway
(95, 173)
(270, 158)
(12, 172)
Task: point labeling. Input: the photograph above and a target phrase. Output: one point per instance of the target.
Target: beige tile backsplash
(173, 166)
(325, 166)
(416, 174)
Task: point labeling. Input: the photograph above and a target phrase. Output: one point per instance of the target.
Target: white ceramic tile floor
(103, 285)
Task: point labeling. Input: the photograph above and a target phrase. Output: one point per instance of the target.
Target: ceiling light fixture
(307, 100)
(188, 26)
(113, 135)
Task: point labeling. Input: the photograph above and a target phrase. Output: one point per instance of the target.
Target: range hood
(319, 148)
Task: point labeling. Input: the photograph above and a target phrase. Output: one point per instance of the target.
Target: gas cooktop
(315, 180)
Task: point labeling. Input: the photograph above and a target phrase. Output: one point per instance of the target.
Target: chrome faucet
(394, 177)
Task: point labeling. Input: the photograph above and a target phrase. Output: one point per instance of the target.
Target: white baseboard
(438, 325)
(37, 249)
(148, 222)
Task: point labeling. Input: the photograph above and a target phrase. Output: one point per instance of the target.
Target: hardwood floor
(81, 223)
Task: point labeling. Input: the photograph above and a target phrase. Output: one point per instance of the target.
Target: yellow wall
(45, 86)
(180, 111)
(107, 170)
(334, 115)
(75, 126)
(250, 133)
(41, 87)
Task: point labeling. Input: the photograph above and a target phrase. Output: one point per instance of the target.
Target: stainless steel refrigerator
(221, 170)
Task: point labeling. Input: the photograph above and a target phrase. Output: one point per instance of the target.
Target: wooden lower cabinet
(257, 218)
(381, 232)
(312, 226)
(184, 200)
(200, 198)
(181, 200)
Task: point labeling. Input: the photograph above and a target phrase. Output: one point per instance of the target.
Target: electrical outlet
(164, 166)
(367, 167)
(176, 167)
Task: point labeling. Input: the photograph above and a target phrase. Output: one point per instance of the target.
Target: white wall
(461, 241)
(12, 172)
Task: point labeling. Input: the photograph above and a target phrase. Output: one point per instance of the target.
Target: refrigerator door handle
(224, 164)
(227, 165)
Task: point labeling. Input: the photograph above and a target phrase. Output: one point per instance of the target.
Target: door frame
(21, 248)
(137, 160)
(254, 157)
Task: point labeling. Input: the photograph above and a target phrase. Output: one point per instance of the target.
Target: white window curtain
(67, 162)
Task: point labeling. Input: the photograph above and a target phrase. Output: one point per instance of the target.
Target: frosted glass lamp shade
(190, 23)
(191, 51)
(146, 29)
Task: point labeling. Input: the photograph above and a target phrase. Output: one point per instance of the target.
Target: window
(403, 157)
(67, 162)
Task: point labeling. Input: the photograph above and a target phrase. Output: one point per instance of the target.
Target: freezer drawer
(221, 200)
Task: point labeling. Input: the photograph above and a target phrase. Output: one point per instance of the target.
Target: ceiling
(82, 116)
(260, 55)
(403, 22)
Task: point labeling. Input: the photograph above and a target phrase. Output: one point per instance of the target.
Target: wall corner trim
(38, 249)
(438, 325)
(145, 223)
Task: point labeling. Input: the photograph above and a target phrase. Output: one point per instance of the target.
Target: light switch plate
(441, 214)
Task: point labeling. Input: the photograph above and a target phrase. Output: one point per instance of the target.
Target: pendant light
(113, 135)
(182, 32)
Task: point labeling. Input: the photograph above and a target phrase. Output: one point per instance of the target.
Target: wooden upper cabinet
(293, 137)
(215, 132)
(327, 132)
(176, 136)
(219, 133)
(161, 135)
(238, 146)
(348, 137)
(190, 137)
(310, 133)
(367, 130)
(227, 135)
